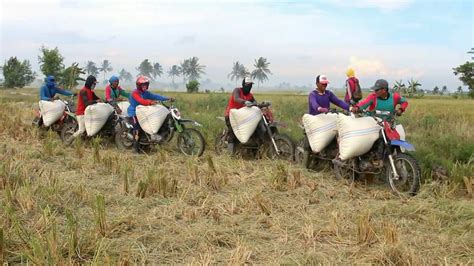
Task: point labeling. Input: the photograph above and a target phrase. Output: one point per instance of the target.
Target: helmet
(113, 79)
(142, 80)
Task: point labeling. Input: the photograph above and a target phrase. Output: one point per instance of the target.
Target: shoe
(230, 148)
(156, 138)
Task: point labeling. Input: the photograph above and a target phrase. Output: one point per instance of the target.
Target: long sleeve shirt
(316, 100)
(142, 98)
(112, 94)
(47, 94)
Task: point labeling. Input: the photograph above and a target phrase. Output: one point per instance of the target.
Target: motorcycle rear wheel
(191, 142)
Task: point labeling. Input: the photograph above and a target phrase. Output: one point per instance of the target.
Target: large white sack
(401, 131)
(124, 107)
(95, 117)
(244, 121)
(151, 117)
(320, 129)
(51, 111)
(356, 135)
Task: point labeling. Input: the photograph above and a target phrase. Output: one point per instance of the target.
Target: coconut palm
(184, 67)
(195, 70)
(157, 70)
(173, 72)
(91, 68)
(145, 69)
(238, 72)
(261, 70)
(125, 75)
(105, 67)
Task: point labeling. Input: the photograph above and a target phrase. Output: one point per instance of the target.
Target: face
(93, 85)
(381, 93)
(321, 87)
(115, 84)
(247, 87)
(144, 86)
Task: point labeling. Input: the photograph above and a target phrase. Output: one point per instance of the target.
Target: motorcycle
(386, 158)
(266, 140)
(190, 140)
(107, 130)
(313, 160)
(68, 117)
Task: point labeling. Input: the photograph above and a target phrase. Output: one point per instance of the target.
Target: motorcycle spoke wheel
(408, 182)
(344, 172)
(285, 146)
(191, 142)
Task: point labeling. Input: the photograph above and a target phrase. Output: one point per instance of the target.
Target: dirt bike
(68, 117)
(266, 140)
(312, 160)
(107, 130)
(387, 159)
(190, 140)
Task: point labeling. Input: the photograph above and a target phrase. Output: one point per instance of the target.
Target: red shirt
(236, 105)
(81, 105)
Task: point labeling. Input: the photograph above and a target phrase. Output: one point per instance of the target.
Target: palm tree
(91, 68)
(261, 70)
(184, 67)
(105, 67)
(157, 70)
(195, 69)
(125, 75)
(145, 69)
(399, 86)
(238, 72)
(174, 72)
(413, 87)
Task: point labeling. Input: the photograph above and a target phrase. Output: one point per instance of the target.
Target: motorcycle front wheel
(121, 137)
(68, 130)
(408, 170)
(191, 142)
(286, 148)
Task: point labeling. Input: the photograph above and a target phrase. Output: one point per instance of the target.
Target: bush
(17, 74)
(192, 86)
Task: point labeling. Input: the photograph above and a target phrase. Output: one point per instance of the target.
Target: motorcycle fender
(403, 144)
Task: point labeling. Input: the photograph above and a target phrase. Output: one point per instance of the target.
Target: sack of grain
(320, 129)
(51, 111)
(244, 121)
(95, 117)
(124, 107)
(356, 135)
(151, 117)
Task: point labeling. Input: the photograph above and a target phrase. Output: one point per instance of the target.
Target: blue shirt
(46, 94)
(142, 98)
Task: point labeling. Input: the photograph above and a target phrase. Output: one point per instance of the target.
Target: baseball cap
(248, 80)
(380, 84)
(322, 79)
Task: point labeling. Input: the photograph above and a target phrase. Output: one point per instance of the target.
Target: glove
(323, 110)
(248, 103)
(399, 112)
(354, 109)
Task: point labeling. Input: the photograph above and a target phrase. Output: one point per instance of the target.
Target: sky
(391, 39)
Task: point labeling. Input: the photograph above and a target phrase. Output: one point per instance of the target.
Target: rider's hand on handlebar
(399, 112)
(354, 109)
(171, 99)
(248, 103)
(323, 110)
(154, 102)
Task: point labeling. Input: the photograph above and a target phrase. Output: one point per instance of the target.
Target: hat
(322, 79)
(380, 84)
(350, 73)
(248, 80)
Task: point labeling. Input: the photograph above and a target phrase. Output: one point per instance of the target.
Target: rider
(239, 98)
(86, 98)
(49, 89)
(320, 98)
(381, 99)
(113, 91)
(141, 96)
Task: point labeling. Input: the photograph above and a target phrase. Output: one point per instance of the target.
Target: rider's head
(322, 82)
(350, 72)
(50, 82)
(114, 82)
(142, 83)
(247, 85)
(90, 82)
(381, 88)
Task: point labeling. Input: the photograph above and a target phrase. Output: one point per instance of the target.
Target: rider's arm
(313, 101)
(367, 101)
(402, 101)
(142, 101)
(333, 98)
(44, 93)
(63, 92)
(348, 89)
(108, 94)
(236, 94)
(155, 97)
(124, 93)
(85, 100)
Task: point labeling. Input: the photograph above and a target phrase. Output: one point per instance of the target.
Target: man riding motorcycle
(113, 91)
(49, 89)
(239, 98)
(141, 96)
(320, 99)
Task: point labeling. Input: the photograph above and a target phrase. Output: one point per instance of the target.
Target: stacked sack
(95, 117)
(151, 117)
(244, 121)
(124, 107)
(356, 135)
(51, 111)
(320, 129)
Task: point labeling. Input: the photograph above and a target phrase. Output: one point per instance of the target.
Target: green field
(87, 204)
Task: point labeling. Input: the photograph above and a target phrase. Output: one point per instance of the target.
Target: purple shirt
(316, 100)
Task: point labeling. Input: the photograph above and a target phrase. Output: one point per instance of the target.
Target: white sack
(320, 129)
(95, 117)
(151, 117)
(356, 135)
(244, 121)
(124, 107)
(51, 111)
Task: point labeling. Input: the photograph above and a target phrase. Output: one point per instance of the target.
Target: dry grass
(90, 203)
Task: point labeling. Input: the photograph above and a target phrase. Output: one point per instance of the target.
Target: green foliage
(125, 75)
(145, 68)
(261, 70)
(239, 72)
(71, 75)
(191, 68)
(466, 73)
(174, 71)
(50, 61)
(157, 70)
(17, 74)
(192, 86)
(91, 68)
(105, 67)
